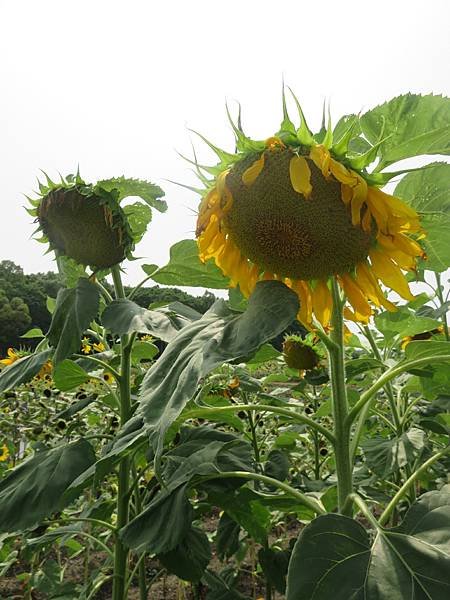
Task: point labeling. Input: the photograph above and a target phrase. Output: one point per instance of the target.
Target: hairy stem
(121, 552)
(339, 402)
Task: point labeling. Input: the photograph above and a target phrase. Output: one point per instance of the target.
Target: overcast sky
(114, 86)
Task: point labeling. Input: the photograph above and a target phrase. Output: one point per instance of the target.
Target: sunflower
(426, 335)
(99, 346)
(83, 222)
(301, 354)
(86, 345)
(108, 378)
(303, 211)
(12, 356)
(4, 453)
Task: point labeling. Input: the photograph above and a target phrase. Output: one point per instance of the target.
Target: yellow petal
(342, 174)
(378, 209)
(346, 194)
(209, 234)
(214, 248)
(209, 205)
(366, 222)
(369, 284)
(356, 297)
(407, 245)
(304, 292)
(321, 158)
(253, 278)
(228, 259)
(220, 181)
(242, 276)
(389, 273)
(404, 261)
(250, 174)
(300, 174)
(322, 302)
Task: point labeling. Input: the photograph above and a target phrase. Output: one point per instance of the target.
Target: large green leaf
(124, 316)
(150, 531)
(35, 489)
(428, 191)
(69, 375)
(246, 509)
(415, 125)
(190, 558)
(219, 336)
(404, 322)
(385, 456)
(75, 309)
(333, 557)
(149, 192)
(274, 564)
(139, 216)
(186, 269)
(427, 348)
(23, 370)
(227, 536)
(329, 560)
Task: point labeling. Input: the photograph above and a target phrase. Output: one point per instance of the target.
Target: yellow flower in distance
(108, 378)
(4, 453)
(296, 210)
(12, 356)
(86, 346)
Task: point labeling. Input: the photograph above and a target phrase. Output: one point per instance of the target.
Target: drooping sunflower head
(83, 222)
(301, 354)
(300, 209)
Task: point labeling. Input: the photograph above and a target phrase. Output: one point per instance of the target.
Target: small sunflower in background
(11, 356)
(108, 378)
(86, 223)
(426, 335)
(99, 346)
(86, 346)
(302, 211)
(4, 453)
(302, 354)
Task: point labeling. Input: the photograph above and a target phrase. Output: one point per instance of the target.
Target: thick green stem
(339, 402)
(121, 552)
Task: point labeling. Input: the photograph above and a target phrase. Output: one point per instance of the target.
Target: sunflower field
(292, 441)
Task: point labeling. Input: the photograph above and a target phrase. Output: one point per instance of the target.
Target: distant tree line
(23, 301)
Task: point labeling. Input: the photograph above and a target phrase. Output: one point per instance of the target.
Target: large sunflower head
(302, 211)
(83, 221)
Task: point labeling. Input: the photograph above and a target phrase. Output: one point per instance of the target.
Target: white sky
(113, 86)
